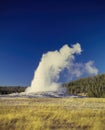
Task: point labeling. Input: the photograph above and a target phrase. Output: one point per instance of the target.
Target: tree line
(11, 89)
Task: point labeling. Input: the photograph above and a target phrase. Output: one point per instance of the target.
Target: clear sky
(30, 28)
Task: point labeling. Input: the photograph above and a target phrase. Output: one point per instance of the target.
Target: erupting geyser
(51, 65)
(47, 75)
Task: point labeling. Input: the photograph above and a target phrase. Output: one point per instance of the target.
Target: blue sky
(30, 28)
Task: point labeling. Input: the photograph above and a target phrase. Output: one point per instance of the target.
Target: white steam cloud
(53, 63)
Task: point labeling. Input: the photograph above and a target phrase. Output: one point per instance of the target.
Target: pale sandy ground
(73, 103)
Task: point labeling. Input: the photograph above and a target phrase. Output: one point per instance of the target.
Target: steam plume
(50, 66)
(90, 68)
(53, 63)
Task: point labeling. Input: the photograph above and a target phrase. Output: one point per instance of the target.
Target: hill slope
(91, 86)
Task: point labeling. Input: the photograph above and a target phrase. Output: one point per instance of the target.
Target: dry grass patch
(52, 114)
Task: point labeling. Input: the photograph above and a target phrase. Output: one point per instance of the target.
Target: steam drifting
(47, 74)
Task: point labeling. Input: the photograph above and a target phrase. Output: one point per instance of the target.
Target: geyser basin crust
(47, 94)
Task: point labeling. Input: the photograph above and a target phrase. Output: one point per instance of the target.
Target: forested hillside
(91, 86)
